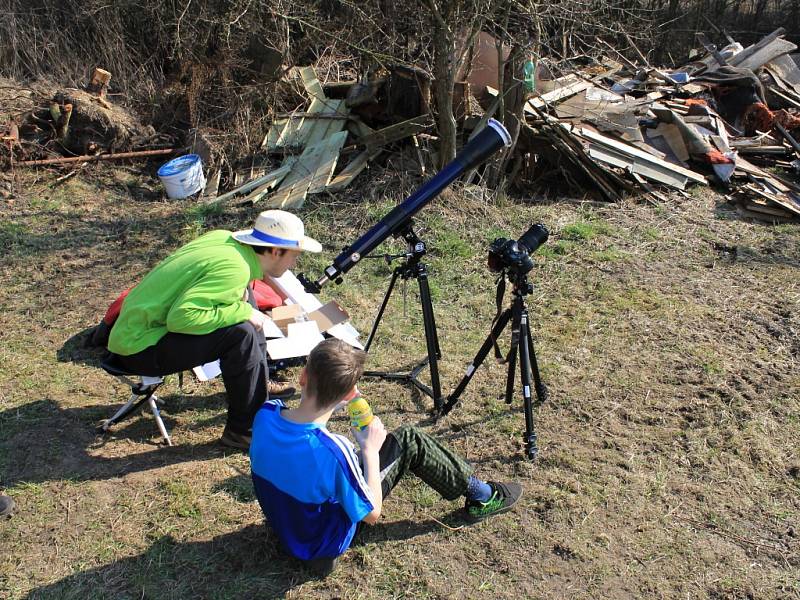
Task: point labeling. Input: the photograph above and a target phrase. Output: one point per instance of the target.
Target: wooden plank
(396, 132)
(743, 211)
(322, 119)
(319, 130)
(309, 115)
(270, 177)
(785, 201)
(329, 156)
(258, 194)
(764, 55)
(357, 127)
(98, 83)
(291, 138)
(311, 83)
(550, 97)
(787, 97)
(352, 170)
(634, 152)
(736, 59)
(313, 167)
(763, 203)
(270, 143)
(560, 94)
(743, 166)
(636, 165)
(649, 188)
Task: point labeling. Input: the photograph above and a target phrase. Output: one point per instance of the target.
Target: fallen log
(92, 158)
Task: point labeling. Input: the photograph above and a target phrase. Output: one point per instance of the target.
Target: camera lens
(534, 237)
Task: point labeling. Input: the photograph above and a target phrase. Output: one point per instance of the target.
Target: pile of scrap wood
(729, 118)
(327, 133)
(611, 126)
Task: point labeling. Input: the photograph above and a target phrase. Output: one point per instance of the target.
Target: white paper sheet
(207, 371)
(299, 341)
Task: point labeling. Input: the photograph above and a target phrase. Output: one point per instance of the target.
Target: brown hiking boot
(279, 389)
(240, 441)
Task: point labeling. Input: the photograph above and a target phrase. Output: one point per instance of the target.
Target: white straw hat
(278, 229)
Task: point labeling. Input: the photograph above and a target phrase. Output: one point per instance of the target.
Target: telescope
(488, 141)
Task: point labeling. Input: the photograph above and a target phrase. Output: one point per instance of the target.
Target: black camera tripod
(412, 267)
(522, 344)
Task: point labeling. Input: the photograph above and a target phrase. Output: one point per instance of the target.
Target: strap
(498, 300)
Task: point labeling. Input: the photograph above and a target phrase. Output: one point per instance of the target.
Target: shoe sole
(505, 509)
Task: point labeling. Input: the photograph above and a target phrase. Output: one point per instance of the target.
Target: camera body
(515, 255)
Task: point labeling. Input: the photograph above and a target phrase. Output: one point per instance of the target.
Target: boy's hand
(372, 437)
(257, 319)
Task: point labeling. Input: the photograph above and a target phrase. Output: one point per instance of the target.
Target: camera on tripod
(515, 255)
(512, 259)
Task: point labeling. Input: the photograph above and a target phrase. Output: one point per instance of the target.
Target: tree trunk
(514, 101)
(443, 84)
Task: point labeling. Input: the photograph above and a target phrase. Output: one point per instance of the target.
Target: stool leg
(126, 409)
(157, 414)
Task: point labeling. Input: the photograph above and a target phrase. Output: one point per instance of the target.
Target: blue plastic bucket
(182, 176)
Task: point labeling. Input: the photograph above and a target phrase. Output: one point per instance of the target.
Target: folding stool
(142, 392)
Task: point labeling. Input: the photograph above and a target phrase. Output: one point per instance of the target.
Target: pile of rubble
(728, 118)
(606, 128)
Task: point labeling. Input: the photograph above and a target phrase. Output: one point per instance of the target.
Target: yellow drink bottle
(360, 412)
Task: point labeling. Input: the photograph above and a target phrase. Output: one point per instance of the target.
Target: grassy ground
(668, 466)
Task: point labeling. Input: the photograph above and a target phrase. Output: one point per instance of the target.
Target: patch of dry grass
(668, 462)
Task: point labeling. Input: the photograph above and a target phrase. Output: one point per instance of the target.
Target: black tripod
(522, 344)
(412, 267)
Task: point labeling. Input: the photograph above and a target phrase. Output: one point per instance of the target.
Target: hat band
(271, 239)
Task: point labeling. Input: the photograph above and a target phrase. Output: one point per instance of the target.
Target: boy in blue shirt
(313, 487)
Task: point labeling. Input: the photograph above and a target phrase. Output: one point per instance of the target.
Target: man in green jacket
(193, 308)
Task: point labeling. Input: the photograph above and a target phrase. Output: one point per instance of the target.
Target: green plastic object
(529, 76)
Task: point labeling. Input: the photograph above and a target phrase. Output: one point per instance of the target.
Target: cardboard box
(326, 316)
(288, 313)
(329, 315)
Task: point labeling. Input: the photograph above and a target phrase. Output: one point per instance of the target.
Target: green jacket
(197, 290)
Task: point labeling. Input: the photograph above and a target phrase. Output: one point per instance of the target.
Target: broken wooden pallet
(310, 173)
(323, 118)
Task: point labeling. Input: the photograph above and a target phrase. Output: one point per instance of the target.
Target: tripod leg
(512, 353)
(525, 372)
(431, 337)
(542, 393)
(499, 325)
(386, 296)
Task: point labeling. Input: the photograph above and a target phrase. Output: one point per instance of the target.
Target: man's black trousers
(242, 352)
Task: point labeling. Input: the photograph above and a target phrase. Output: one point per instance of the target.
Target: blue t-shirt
(308, 482)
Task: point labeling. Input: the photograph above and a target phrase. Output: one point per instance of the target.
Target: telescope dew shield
(493, 137)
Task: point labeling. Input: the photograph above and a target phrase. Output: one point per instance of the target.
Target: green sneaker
(504, 496)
